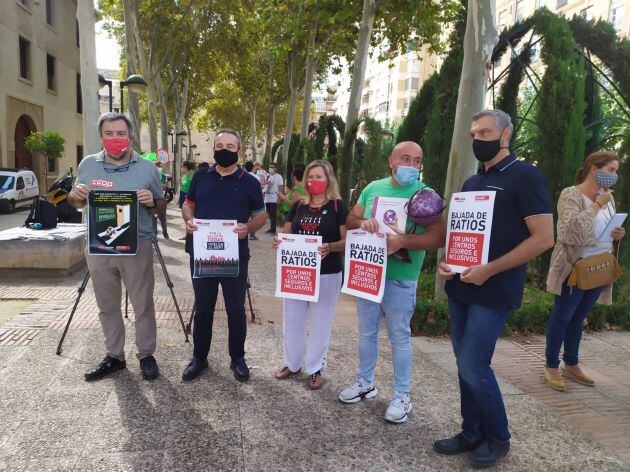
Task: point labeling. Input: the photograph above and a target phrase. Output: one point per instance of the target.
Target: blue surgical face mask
(407, 175)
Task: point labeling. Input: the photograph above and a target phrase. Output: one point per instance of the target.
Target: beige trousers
(136, 273)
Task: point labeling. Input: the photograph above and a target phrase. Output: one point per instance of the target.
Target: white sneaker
(399, 408)
(359, 390)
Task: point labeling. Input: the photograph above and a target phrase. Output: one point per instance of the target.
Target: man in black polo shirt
(482, 297)
(223, 192)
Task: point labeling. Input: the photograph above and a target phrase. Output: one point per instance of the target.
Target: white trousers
(321, 314)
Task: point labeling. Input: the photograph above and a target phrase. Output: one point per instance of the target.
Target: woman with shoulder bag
(584, 210)
(321, 212)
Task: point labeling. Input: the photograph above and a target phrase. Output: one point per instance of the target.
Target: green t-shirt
(185, 183)
(287, 206)
(396, 270)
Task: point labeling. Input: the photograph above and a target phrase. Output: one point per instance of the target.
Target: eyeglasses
(111, 168)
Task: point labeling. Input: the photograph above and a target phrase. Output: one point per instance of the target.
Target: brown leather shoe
(555, 380)
(284, 373)
(315, 381)
(582, 378)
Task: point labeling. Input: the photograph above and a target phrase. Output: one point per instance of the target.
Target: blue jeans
(474, 333)
(398, 305)
(570, 309)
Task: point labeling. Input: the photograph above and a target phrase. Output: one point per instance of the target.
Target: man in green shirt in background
(399, 299)
(187, 171)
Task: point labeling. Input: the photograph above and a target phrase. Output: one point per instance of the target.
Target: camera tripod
(81, 289)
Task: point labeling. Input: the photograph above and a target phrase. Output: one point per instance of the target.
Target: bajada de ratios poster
(366, 265)
(468, 229)
(298, 266)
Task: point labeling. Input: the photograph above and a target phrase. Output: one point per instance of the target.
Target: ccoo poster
(215, 249)
(298, 266)
(468, 229)
(366, 265)
(112, 223)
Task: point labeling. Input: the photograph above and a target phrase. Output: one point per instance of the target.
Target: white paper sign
(469, 228)
(215, 248)
(391, 214)
(298, 266)
(366, 265)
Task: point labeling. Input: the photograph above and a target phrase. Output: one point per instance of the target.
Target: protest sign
(366, 265)
(391, 214)
(215, 248)
(298, 266)
(468, 229)
(112, 223)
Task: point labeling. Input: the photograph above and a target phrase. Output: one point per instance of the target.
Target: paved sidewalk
(51, 419)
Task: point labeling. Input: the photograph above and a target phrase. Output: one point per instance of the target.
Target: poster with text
(112, 223)
(298, 265)
(366, 265)
(215, 248)
(391, 214)
(468, 230)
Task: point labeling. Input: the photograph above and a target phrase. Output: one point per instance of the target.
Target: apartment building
(389, 86)
(40, 82)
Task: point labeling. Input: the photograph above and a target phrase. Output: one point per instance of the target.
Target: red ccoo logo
(482, 198)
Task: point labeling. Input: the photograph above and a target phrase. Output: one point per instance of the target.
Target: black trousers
(234, 292)
(272, 211)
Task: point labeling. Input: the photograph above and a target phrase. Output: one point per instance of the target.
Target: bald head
(405, 153)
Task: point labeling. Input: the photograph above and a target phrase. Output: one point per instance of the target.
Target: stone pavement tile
(7, 354)
(126, 432)
(19, 402)
(136, 399)
(121, 461)
(72, 402)
(199, 446)
(49, 464)
(57, 437)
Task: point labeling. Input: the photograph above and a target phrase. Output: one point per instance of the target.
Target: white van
(17, 187)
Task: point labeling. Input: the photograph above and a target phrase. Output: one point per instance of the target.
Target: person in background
(584, 210)
(187, 170)
(296, 191)
(320, 213)
(250, 167)
(273, 185)
(161, 215)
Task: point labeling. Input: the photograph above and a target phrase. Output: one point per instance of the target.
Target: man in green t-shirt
(399, 299)
(187, 171)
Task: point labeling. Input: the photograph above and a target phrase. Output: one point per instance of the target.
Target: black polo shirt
(521, 192)
(231, 197)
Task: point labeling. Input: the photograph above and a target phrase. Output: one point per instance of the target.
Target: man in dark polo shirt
(224, 192)
(482, 297)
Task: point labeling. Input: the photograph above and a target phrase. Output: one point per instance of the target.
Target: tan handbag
(595, 271)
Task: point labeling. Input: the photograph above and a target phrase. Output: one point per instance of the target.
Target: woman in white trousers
(320, 212)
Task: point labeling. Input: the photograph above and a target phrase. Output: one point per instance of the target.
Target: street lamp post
(135, 83)
(103, 82)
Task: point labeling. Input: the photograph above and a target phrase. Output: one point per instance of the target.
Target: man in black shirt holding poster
(223, 192)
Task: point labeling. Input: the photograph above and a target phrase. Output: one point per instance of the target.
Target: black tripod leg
(192, 315)
(126, 303)
(249, 298)
(169, 284)
(80, 291)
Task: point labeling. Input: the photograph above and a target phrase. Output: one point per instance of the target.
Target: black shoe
(108, 366)
(195, 368)
(488, 453)
(240, 369)
(165, 235)
(149, 368)
(455, 445)
(270, 231)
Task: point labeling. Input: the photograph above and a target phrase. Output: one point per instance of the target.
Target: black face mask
(225, 157)
(486, 150)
